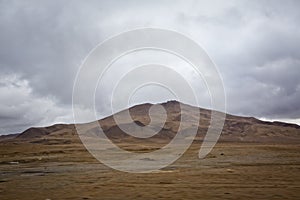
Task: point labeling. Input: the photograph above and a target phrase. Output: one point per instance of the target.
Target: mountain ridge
(236, 128)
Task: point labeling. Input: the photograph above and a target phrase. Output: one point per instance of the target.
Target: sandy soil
(230, 171)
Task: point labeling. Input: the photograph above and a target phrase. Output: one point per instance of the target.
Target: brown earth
(252, 160)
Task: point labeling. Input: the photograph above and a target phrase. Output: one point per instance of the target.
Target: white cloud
(255, 44)
(20, 107)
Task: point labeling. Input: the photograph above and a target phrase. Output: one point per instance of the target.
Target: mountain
(236, 128)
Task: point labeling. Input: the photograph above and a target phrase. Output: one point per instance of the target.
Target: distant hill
(236, 128)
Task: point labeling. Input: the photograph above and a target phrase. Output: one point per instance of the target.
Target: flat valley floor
(230, 171)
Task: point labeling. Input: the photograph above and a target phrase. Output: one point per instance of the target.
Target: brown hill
(236, 129)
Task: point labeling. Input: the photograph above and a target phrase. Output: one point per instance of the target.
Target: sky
(254, 44)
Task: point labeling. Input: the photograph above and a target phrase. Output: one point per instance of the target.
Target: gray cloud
(20, 108)
(255, 45)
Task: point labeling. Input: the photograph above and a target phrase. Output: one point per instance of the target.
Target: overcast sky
(255, 45)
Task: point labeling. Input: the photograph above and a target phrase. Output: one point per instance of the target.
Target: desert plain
(55, 165)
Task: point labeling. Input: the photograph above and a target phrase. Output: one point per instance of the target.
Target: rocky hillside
(236, 129)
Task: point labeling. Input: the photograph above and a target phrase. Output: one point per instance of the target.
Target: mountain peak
(235, 128)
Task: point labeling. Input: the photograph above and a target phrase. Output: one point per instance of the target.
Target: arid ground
(252, 160)
(230, 171)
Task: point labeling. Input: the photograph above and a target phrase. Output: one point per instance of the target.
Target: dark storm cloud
(255, 44)
(42, 41)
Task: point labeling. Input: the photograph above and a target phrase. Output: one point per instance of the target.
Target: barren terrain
(252, 160)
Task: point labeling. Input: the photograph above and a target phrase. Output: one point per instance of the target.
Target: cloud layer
(255, 45)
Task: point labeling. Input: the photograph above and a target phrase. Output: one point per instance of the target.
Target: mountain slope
(236, 129)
